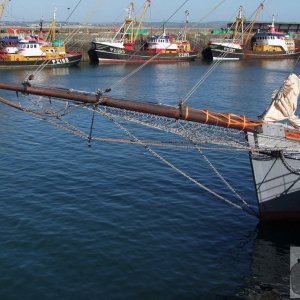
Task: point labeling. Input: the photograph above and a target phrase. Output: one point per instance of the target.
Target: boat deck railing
(220, 40)
(106, 39)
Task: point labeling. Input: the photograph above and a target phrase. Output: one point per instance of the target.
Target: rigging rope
(175, 12)
(87, 18)
(155, 56)
(211, 11)
(220, 175)
(73, 10)
(66, 41)
(215, 63)
(155, 154)
(150, 59)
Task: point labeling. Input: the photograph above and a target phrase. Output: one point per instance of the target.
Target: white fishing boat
(243, 45)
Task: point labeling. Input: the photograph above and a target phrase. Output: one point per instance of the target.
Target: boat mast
(239, 25)
(187, 13)
(272, 28)
(146, 5)
(52, 29)
(127, 25)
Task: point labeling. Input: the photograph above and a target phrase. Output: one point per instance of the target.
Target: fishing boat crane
(52, 29)
(2, 7)
(251, 25)
(145, 8)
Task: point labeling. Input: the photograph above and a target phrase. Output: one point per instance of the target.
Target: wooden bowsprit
(182, 112)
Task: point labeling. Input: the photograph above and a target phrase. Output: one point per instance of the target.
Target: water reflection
(270, 262)
(286, 65)
(40, 77)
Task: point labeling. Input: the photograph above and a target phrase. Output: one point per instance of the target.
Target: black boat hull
(218, 52)
(107, 54)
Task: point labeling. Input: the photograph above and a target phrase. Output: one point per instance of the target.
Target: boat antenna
(187, 13)
(41, 24)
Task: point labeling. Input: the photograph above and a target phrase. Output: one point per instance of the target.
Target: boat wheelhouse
(269, 44)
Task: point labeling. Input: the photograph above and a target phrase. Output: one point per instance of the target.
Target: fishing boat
(273, 146)
(130, 46)
(32, 51)
(269, 44)
(9, 44)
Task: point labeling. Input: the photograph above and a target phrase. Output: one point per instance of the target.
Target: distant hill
(216, 24)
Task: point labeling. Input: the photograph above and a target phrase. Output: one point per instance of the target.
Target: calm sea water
(111, 221)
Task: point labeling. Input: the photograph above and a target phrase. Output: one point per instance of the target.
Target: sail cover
(284, 103)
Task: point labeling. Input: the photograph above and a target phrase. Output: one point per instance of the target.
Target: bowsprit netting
(195, 133)
(67, 115)
(72, 118)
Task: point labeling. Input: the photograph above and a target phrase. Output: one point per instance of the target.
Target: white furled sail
(284, 103)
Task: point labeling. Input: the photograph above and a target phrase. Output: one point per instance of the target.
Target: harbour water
(112, 221)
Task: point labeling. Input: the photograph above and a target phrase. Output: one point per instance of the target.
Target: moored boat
(33, 51)
(129, 46)
(269, 44)
(272, 44)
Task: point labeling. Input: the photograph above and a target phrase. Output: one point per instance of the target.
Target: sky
(104, 11)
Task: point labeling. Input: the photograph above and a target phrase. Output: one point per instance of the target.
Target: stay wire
(175, 12)
(66, 41)
(73, 10)
(153, 57)
(155, 154)
(218, 173)
(156, 55)
(92, 126)
(213, 67)
(211, 11)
